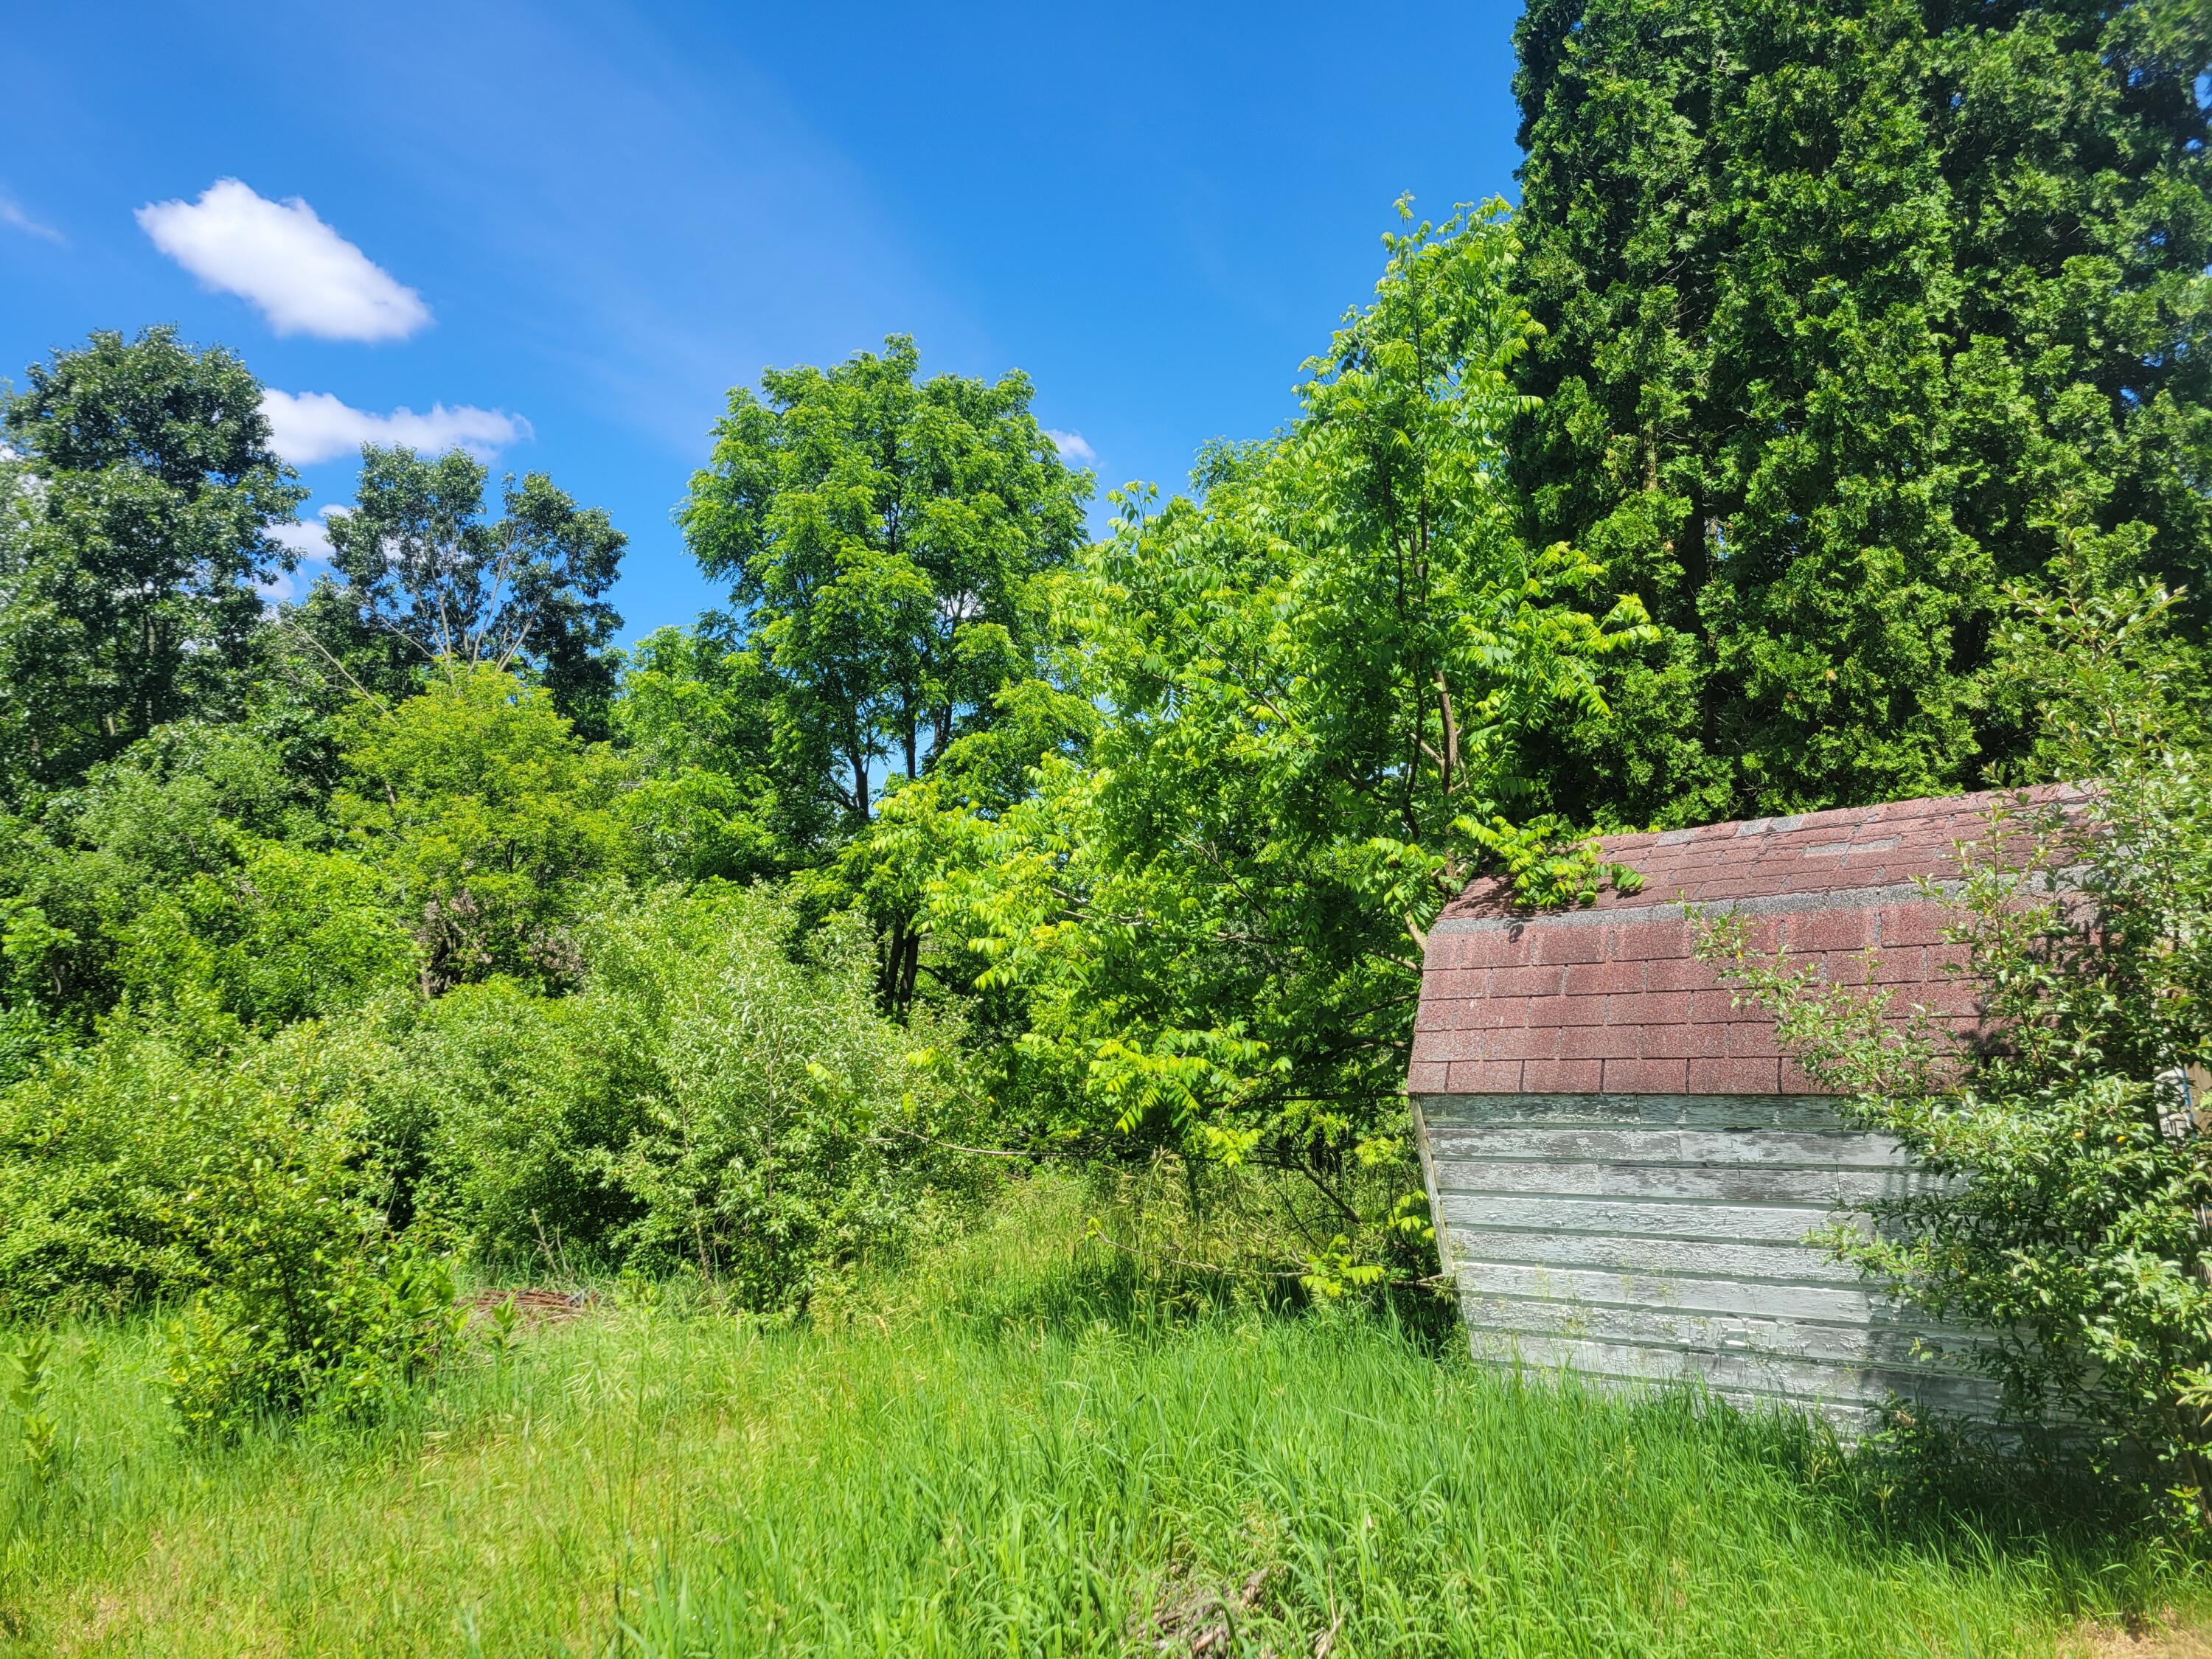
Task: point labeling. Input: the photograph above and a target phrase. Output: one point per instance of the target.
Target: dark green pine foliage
(1857, 310)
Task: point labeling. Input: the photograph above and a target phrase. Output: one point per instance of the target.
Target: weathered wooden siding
(1641, 1238)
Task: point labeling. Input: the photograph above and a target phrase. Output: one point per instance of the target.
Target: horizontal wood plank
(1795, 1380)
(1866, 1343)
(1841, 1149)
(1723, 1222)
(1833, 1303)
(1722, 1183)
(1788, 1262)
(1757, 1112)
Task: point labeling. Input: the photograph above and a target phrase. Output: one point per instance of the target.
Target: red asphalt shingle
(1611, 997)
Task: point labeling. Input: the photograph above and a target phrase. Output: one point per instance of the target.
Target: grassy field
(1032, 1448)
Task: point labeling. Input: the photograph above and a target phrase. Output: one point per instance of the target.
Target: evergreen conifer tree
(1857, 310)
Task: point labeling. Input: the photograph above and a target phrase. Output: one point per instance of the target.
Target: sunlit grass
(1031, 1448)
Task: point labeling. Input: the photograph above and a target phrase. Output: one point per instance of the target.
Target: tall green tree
(1854, 309)
(425, 577)
(890, 545)
(885, 539)
(1322, 680)
(138, 496)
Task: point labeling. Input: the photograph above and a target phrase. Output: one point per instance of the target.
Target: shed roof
(1610, 999)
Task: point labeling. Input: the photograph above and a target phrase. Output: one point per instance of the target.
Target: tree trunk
(901, 971)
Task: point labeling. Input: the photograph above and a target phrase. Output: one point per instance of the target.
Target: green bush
(177, 813)
(786, 1129)
(181, 1158)
(284, 934)
(507, 1108)
(339, 1318)
(97, 1145)
(721, 1097)
(491, 824)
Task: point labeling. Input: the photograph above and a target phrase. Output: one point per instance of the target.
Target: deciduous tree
(1322, 678)
(137, 497)
(427, 577)
(884, 538)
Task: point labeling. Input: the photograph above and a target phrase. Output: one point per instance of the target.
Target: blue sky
(574, 226)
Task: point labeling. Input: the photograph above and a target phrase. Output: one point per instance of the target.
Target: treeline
(411, 922)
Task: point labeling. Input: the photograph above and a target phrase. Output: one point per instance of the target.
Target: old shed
(1623, 1168)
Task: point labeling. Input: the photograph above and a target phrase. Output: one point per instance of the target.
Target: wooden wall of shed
(1655, 1238)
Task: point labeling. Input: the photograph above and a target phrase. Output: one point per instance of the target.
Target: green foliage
(123, 1163)
(2073, 1224)
(2086, 662)
(135, 513)
(183, 1159)
(333, 942)
(492, 822)
(884, 541)
(889, 545)
(23, 1037)
(302, 1316)
(724, 790)
(1844, 299)
(718, 1095)
(36, 1433)
(1321, 680)
(508, 1106)
(285, 934)
(424, 579)
(786, 1130)
(102, 868)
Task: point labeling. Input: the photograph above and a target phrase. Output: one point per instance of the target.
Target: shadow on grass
(1924, 1488)
(1065, 1257)
(1096, 1286)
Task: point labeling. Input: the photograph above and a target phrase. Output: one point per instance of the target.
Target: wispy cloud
(1070, 445)
(306, 428)
(12, 215)
(280, 256)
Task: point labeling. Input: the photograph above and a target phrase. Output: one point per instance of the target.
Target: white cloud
(306, 277)
(1070, 445)
(11, 213)
(308, 427)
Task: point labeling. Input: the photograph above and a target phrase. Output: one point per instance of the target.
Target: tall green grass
(1033, 1448)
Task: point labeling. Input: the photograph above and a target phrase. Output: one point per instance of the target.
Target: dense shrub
(284, 934)
(786, 1128)
(180, 807)
(183, 1159)
(312, 1307)
(719, 1096)
(123, 1163)
(507, 1108)
(490, 822)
